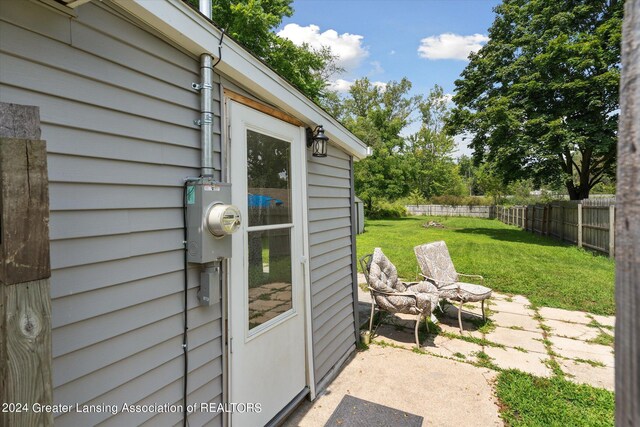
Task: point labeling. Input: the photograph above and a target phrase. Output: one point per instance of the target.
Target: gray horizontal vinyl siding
(330, 247)
(117, 111)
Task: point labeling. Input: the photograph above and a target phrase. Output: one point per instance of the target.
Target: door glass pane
(268, 173)
(269, 275)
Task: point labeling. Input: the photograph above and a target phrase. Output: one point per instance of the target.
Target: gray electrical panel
(210, 220)
(210, 285)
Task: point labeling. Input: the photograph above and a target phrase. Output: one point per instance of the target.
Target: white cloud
(380, 85)
(348, 47)
(393, 52)
(448, 98)
(450, 46)
(342, 85)
(376, 68)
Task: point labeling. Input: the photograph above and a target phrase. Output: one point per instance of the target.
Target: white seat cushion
(461, 291)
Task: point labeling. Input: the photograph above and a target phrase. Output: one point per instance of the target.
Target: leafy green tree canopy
(541, 97)
(377, 115)
(252, 22)
(429, 150)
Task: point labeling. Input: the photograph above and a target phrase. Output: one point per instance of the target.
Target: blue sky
(423, 40)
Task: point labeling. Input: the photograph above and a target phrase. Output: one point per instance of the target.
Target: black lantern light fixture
(318, 140)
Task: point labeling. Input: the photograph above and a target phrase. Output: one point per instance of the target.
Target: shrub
(383, 209)
(449, 200)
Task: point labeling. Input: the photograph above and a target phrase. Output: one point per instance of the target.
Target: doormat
(354, 412)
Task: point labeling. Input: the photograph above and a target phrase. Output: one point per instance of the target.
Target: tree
(428, 151)
(377, 116)
(541, 97)
(467, 170)
(251, 22)
(490, 183)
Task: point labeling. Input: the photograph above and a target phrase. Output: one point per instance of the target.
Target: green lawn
(511, 260)
(531, 401)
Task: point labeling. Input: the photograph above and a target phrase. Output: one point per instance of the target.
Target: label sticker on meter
(191, 195)
(211, 188)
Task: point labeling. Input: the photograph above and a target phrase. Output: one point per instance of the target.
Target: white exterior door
(266, 292)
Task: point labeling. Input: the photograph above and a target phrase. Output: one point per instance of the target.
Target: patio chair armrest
(410, 283)
(394, 294)
(438, 282)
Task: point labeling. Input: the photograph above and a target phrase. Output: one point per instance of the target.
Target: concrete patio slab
(566, 315)
(521, 299)
(571, 330)
(470, 312)
(583, 373)
(498, 296)
(451, 326)
(361, 278)
(530, 341)
(443, 391)
(532, 363)
(395, 335)
(518, 320)
(512, 307)
(400, 319)
(576, 349)
(452, 347)
(605, 320)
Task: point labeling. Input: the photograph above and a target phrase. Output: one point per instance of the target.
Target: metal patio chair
(389, 294)
(437, 267)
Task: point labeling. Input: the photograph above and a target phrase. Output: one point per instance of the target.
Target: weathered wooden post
(579, 225)
(25, 301)
(627, 231)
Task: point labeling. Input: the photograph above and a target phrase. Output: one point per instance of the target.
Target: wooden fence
(447, 210)
(589, 224)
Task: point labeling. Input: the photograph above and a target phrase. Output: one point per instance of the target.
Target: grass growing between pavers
(512, 261)
(532, 401)
(525, 399)
(603, 339)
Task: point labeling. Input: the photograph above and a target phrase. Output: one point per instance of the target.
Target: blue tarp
(262, 201)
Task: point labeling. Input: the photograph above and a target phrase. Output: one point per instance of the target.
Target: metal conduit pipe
(206, 115)
(206, 103)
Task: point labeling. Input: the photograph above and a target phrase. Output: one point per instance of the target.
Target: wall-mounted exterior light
(318, 140)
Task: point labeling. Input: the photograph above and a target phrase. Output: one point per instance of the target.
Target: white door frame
(311, 377)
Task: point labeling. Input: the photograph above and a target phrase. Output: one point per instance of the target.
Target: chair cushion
(434, 261)
(425, 301)
(383, 275)
(468, 292)
(398, 304)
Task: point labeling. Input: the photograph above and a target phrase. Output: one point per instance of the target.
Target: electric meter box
(210, 220)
